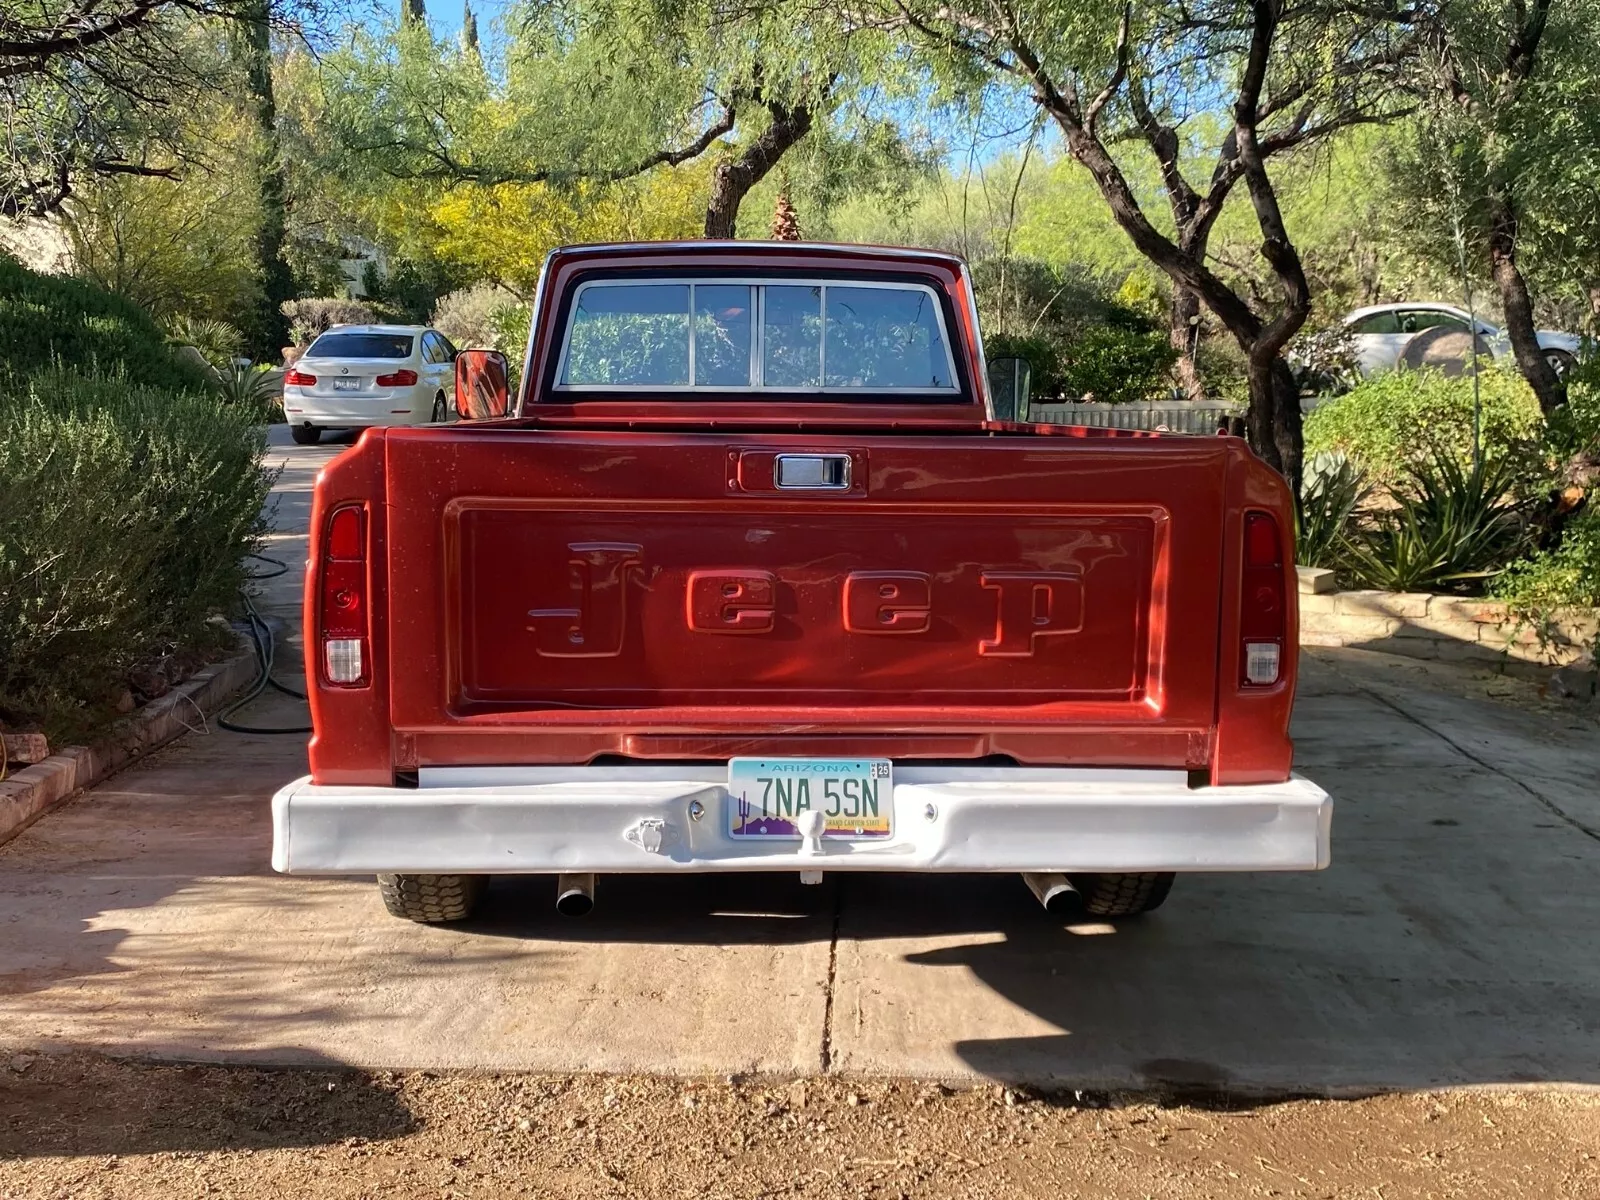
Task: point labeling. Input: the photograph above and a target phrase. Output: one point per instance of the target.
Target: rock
(1575, 681)
(150, 681)
(797, 1094)
(24, 747)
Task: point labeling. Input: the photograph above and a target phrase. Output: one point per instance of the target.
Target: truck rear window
(749, 335)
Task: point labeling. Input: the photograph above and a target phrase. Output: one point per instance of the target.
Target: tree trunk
(1518, 305)
(271, 329)
(1274, 423)
(734, 177)
(1274, 420)
(1184, 332)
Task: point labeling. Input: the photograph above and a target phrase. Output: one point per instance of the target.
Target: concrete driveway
(1456, 939)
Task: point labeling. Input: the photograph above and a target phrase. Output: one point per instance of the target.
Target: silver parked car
(1382, 332)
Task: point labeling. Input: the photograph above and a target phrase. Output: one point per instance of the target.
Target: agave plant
(247, 385)
(218, 342)
(1335, 487)
(1454, 526)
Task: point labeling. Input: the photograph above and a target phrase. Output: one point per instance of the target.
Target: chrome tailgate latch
(813, 472)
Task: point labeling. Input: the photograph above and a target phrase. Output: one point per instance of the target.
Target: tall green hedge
(1402, 417)
(55, 320)
(129, 497)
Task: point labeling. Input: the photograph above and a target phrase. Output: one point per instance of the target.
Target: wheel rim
(1558, 364)
(438, 410)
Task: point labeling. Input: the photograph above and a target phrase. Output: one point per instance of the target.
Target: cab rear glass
(825, 336)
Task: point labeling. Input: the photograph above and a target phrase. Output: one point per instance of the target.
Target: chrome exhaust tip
(1053, 891)
(575, 895)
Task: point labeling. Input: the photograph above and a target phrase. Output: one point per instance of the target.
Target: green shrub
(311, 316)
(1401, 417)
(50, 320)
(125, 515)
(1564, 576)
(1118, 364)
(466, 316)
(1575, 426)
(1042, 354)
(512, 328)
(1111, 363)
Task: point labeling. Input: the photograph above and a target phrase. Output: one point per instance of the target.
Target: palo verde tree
(399, 105)
(694, 79)
(1505, 157)
(77, 75)
(1110, 74)
(102, 88)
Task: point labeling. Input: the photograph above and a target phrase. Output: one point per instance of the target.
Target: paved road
(1455, 940)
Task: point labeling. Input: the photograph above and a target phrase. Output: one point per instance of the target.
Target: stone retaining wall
(1447, 628)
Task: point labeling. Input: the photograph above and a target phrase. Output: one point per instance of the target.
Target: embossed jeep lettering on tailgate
(1030, 605)
(595, 624)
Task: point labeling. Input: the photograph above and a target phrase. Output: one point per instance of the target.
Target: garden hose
(266, 646)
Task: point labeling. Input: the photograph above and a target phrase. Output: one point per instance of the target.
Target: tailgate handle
(815, 472)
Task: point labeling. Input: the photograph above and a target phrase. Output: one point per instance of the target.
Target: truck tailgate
(554, 595)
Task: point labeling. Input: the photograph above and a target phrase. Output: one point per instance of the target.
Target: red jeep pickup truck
(747, 577)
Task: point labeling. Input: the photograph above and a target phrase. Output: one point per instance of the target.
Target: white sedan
(1380, 335)
(355, 376)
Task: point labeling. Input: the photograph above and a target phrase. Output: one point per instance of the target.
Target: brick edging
(1444, 628)
(27, 794)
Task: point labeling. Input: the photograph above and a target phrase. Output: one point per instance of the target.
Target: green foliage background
(129, 496)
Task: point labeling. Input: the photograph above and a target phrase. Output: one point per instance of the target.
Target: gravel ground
(86, 1127)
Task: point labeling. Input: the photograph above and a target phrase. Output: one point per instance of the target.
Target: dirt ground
(85, 1127)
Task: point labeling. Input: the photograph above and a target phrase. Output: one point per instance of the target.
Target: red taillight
(343, 618)
(1263, 603)
(344, 536)
(401, 378)
(299, 379)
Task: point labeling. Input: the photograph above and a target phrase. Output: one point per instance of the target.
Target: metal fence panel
(1182, 416)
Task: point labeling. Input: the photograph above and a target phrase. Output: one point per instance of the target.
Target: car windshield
(362, 345)
(752, 335)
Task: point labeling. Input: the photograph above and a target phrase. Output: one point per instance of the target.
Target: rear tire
(441, 411)
(305, 435)
(431, 899)
(1123, 895)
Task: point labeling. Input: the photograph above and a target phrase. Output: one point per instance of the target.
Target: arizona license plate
(346, 385)
(767, 795)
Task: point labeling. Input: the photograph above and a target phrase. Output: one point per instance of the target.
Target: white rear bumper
(516, 820)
